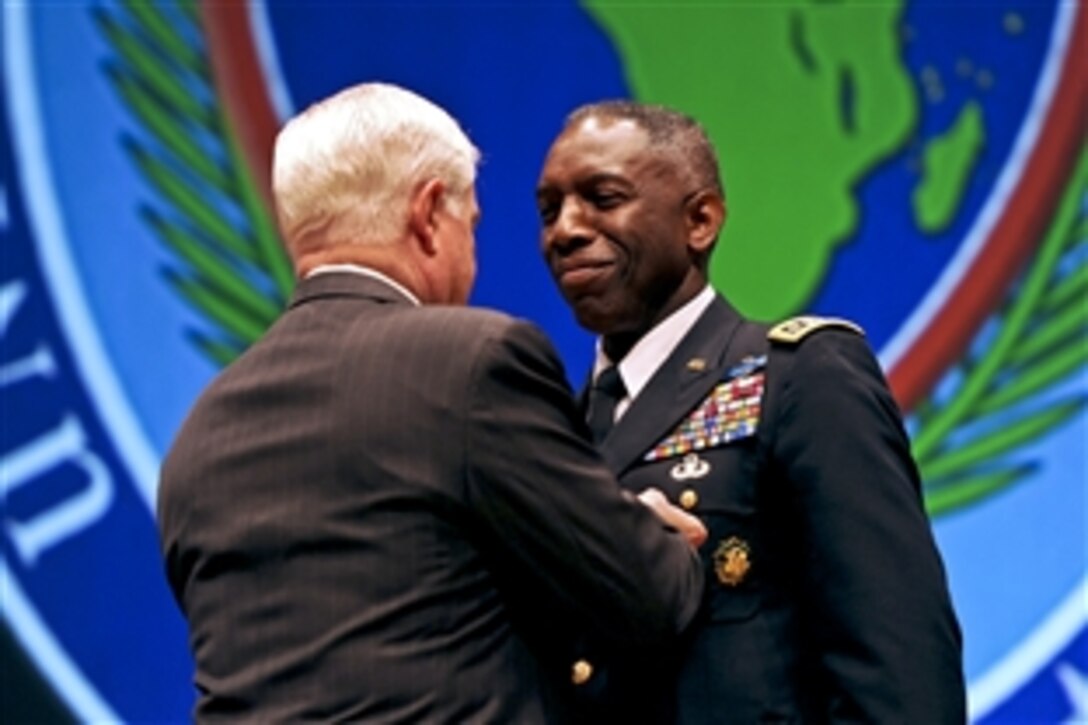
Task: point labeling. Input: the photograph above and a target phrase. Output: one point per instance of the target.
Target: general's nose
(568, 228)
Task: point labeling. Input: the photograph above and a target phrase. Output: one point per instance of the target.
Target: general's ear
(705, 213)
(422, 213)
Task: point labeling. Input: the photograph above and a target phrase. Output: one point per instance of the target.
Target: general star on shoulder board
(795, 329)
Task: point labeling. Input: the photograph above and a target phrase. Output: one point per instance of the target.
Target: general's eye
(606, 199)
(547, 210)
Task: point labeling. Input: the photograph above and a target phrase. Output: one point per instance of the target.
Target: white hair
(344, 169)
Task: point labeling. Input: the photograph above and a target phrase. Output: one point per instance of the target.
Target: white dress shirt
(653, 348)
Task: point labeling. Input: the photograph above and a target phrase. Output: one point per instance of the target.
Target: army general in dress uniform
(826, 598)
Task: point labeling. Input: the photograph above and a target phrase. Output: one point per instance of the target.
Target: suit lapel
(683, 380)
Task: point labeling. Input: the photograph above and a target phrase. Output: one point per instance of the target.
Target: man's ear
(422, 213)
(705, 213)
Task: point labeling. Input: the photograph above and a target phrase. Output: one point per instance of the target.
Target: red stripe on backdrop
(1016, 235)
(241, 87)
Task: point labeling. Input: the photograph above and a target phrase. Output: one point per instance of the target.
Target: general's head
(630, 203)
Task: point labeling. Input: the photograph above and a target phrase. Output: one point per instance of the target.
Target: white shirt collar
(366, 272)
(653, 348)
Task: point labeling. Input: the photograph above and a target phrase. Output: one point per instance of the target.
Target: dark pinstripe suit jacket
(385, 512)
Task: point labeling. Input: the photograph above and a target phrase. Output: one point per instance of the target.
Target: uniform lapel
(684, 379)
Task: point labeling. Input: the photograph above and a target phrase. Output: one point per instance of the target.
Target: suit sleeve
(888, 639)
(559, 519)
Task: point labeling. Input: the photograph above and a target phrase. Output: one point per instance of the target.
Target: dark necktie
(607, 390)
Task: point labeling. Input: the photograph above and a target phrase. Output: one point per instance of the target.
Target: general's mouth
(582, 275)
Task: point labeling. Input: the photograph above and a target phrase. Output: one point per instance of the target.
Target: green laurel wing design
(972, 439)
(227, 261)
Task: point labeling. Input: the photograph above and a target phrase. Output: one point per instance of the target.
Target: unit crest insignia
(732, 561)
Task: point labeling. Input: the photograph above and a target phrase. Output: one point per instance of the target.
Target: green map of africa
(802, 100)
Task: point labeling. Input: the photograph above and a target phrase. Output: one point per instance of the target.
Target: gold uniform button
(689, 498)
(581, 672)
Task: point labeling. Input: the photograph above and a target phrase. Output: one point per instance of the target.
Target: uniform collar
(653, 348)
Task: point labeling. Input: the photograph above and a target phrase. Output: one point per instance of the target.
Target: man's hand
(689, 526)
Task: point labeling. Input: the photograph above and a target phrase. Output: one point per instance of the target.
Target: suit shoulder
(450, 313)
(457, 317)
(794, 330)
(471, 330)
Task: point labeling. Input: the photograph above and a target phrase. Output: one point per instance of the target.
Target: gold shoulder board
(796, 329)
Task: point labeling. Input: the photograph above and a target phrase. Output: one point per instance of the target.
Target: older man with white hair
(386, 509)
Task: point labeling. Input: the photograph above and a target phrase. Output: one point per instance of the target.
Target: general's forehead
(604, 131)
(602, 145)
